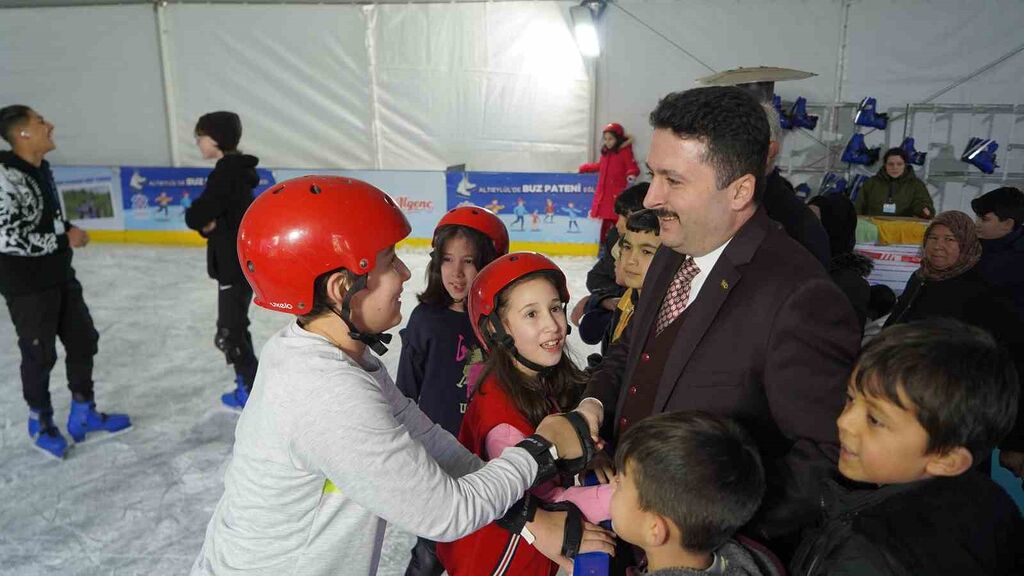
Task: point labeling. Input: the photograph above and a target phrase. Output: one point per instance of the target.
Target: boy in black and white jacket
(39, 285)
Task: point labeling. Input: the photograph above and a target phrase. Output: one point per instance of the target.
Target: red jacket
(613, 169)
(492, 550)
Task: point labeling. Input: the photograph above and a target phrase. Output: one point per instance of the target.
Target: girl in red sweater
(517, 307)
(616, 170)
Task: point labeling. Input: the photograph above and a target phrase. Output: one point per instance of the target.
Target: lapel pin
(725, 285)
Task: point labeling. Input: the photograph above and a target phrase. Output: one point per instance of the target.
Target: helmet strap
(376, 342)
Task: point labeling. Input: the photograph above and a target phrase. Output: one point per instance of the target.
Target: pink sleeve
(593, 501)
(500, 437)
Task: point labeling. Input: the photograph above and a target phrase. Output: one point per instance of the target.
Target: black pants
(233, 336)
(39, 319)
(424, 560)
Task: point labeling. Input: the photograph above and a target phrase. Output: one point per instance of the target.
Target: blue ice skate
(799, 117)
(46, 435)
(981, 153)
(857, 152)
(84, 419)
(783, 116)
(866, 115)
(855, 185)
(802, 190)
(913, 156)
(832, 183)
(237, 398)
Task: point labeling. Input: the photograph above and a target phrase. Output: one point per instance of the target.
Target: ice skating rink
(138, 503)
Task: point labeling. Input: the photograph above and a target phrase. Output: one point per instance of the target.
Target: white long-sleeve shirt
(326, 453)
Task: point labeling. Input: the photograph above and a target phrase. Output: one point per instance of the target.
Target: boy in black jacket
(39, 285)
(926, 402)
(216, 214)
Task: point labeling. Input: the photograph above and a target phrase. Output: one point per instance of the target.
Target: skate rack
(979, 114)
(982, 119)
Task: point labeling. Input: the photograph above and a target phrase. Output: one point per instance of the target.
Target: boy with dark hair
(926, 402)
(216, 215)
(687, 481)
(1000, 218)
(636, 250)
(37, 281)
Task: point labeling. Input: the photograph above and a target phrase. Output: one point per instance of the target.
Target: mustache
(660, 212)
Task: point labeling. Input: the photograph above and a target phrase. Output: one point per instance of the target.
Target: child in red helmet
(616, 169)
(438, 343)
(327, 450)
(517, 305)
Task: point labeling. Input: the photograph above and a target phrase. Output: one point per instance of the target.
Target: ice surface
(139, 503)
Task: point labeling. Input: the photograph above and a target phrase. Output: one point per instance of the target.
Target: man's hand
(549, 530)
(577, 311)
(593, 413)
(210, 226)
(1012, 461)
(77, 238)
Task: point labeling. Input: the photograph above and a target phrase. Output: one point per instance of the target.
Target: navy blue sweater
(438, 346)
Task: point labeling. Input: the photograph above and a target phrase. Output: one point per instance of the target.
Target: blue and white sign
(536, 207)
(156, 198)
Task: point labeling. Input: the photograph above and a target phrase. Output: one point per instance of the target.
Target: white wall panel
(95, 73)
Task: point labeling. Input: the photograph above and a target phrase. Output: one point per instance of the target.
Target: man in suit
(735, 318)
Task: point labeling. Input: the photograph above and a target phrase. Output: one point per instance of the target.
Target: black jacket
(34, 252)
(782, 205)
(961, 525)
(227, 196)
(1002, 265)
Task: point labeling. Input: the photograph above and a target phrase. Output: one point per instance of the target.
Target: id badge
(889, 208)
(58, 226)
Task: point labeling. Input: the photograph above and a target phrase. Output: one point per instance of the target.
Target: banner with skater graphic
(156, 198)
(536, 207)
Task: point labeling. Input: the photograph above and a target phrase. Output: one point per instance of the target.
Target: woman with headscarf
(948, 284)
(848, 269)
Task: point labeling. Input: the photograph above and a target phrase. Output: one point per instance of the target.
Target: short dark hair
(223, 126)
(11, 117)
(896, 152)
(435, 293)
(962, 386)
(729, 121)
(699, 470)
(1006, 203)
(644, 221)
(631, 199)
(321, 302)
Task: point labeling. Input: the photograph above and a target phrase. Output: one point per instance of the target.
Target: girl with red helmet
(438, 343)
(616, 169)
(327, 448)
(517, 305)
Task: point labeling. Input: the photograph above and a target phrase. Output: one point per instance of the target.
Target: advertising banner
(536, 207)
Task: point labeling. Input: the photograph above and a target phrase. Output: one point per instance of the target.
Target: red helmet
(496, 276)
(615, 128)
(482, 221)
(304, 227)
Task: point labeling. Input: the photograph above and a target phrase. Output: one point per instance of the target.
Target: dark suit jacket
(770, 341)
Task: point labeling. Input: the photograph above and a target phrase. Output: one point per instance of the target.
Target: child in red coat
(616, 170)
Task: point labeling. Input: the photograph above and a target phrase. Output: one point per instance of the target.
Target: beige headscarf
(962, 227)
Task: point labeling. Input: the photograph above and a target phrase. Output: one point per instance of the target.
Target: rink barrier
(189, 238)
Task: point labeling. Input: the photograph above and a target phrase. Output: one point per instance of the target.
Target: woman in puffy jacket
(616, 170)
